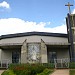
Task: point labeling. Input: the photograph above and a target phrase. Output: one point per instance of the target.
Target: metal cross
(69, 7)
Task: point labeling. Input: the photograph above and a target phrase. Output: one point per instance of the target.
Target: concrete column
(43, 52)
(24, 52)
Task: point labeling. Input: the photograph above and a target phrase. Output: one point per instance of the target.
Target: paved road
(61, 72)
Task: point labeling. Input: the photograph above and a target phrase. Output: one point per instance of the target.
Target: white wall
(6, 55)
(34, 39)
(0, 53)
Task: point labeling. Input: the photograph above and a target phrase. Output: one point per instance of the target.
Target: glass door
(15, 57)
(52, 56)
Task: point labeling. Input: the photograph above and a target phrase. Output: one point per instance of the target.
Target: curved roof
(33, 33)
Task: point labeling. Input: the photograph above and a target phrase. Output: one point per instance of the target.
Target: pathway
(61, 72)
(1, 71)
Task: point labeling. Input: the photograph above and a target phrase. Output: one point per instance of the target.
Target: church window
(33, 52)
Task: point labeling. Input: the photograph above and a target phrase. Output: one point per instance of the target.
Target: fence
(61, 63)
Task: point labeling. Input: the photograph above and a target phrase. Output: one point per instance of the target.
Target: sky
(19, 16)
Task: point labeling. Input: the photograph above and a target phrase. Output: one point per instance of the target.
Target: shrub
(8, 72)
(72, 65)
(49, 65)
(25, 72)
(36, 68)
(46, 72)
(20, 69)
(72, 72)
(26, 69)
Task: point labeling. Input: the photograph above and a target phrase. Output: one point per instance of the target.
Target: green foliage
(49, 65)
(27, 69)
(46, 72)
(30, 69)
(72, 72)
(8, 72)
(36, 68)
(72, 65)
(20, 69)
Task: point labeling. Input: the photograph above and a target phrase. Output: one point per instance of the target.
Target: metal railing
(61, 63)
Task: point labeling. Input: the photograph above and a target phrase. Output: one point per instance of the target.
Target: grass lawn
(72, 72)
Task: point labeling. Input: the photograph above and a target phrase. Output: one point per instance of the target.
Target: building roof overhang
(47, 43)
(10, 45)
(34, 33)
(57, 43)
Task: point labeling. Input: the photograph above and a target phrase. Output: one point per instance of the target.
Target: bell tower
(70, 21)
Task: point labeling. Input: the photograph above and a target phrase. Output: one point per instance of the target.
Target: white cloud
(48, 23)
(73, 12)
(16, 25)
(4, 4)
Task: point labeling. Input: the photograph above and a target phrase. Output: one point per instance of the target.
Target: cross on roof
(69, 7)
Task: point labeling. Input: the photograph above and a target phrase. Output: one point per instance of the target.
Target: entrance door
(61, 63)
(52, 56)
(15, 57)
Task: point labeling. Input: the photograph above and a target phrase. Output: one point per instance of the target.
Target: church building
(32, 47)
(39, 47)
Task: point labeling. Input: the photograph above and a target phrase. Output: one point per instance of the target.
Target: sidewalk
(61, 72)
(1, 71)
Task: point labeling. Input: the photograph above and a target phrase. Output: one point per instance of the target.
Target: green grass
(72, 72)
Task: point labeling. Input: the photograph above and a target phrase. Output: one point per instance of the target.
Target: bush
(20, 69)
(8, 72)
(49, 65)
(72, 72)
(46, 72)
(26, 69)
(37, 68)
(72, 65)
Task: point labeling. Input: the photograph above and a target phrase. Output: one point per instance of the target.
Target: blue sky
(33, 15)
